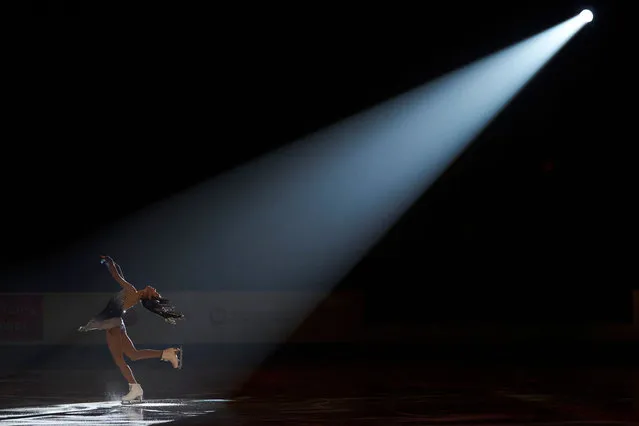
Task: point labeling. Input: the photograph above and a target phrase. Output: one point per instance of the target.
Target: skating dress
(111, 315)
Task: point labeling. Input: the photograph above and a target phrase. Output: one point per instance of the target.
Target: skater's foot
(171, 355)
(135, 394)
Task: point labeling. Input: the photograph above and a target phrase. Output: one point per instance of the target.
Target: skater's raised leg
(133, 353)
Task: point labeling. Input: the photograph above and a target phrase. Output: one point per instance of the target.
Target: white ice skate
(134, 395)
(171, 355)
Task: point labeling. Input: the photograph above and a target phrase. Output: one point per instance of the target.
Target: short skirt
(109, 317)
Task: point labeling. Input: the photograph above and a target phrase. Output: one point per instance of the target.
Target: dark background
(113, 107)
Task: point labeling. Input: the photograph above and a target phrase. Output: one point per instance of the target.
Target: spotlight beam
(302, 215)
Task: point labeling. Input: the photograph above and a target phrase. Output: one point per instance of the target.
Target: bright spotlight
(586, 15)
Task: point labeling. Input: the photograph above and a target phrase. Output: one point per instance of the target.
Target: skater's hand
(105, 259)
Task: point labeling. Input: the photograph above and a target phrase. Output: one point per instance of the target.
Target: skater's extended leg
(135, 354)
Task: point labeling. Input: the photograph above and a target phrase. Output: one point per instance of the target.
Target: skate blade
(133, 401)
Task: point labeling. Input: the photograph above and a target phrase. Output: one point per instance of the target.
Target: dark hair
(163, 308)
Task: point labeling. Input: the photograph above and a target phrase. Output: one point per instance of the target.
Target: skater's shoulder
(128, 298)
(123, 295)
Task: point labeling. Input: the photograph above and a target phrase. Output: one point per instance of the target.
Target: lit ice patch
(150, 412)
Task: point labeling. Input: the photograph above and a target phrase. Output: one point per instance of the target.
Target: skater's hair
(162, 307)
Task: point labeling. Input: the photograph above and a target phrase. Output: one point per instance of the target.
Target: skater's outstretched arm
(116, 273)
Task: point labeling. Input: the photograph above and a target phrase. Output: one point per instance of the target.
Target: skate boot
(134, 395)
(171, 355)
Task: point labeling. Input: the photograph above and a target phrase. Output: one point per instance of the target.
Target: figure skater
(110, 319)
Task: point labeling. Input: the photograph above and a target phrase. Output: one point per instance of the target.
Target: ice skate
(171, 355)
(134, 395)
